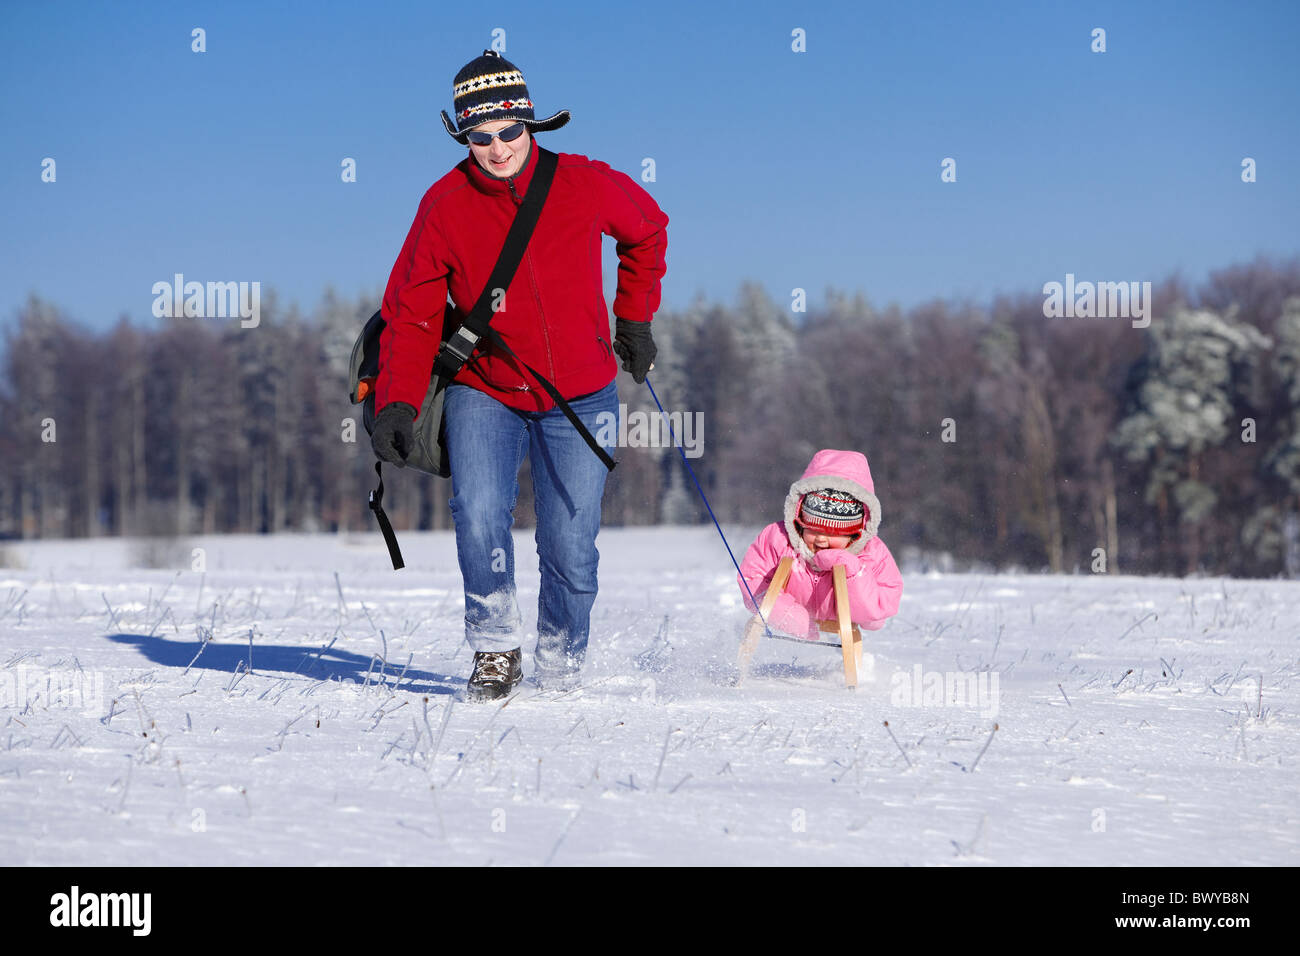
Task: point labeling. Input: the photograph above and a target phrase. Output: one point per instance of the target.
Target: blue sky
(813, 170)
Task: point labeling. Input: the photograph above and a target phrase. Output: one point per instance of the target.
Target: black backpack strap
(460, 345)
(551, 390)
(377, 506)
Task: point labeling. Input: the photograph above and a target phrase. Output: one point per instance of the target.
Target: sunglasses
(507, 135)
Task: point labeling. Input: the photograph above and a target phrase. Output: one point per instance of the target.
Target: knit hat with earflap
(490, 87)
(831, 512)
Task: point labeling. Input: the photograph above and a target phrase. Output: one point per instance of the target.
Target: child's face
(819, 541)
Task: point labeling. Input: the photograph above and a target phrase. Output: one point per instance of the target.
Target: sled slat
(774, 589)
(848, 637)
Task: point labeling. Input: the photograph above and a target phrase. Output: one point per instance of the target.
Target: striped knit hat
(490, 87)
(831, 512)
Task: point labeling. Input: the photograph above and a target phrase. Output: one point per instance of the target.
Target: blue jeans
(486, 443)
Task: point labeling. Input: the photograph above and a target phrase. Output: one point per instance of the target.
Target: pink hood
(845, 471)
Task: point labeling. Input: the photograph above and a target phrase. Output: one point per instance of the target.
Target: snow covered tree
(1184, 400)
(1272, 529)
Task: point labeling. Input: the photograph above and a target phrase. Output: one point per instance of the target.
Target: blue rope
(682, 451)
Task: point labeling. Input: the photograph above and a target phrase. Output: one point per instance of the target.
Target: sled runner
(850, 637)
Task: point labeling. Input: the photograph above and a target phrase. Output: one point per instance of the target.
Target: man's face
(501, 159)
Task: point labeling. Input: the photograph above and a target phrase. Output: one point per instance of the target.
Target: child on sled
(831, 517)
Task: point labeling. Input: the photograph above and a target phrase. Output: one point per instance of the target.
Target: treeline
(997, 437)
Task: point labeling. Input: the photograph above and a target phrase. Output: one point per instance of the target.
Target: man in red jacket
(554, 318)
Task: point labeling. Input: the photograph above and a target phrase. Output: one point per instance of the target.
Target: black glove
(393, 437)
(635, 346)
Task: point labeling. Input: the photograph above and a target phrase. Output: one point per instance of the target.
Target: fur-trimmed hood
(845, 471)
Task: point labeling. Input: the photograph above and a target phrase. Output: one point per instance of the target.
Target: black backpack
(428, 455)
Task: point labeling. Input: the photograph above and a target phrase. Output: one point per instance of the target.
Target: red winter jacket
(554, 314)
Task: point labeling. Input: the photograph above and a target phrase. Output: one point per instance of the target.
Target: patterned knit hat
(831, 512)
(490, 87)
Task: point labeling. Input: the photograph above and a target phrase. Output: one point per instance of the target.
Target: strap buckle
(462, 343)
(455, 352)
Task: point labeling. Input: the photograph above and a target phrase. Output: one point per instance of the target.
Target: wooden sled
(850, 637)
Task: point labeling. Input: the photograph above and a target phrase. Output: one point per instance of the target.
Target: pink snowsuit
(874, 584)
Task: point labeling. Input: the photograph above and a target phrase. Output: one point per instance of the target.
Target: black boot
(495, 674)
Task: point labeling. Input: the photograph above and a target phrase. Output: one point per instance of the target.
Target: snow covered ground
(1139, 721)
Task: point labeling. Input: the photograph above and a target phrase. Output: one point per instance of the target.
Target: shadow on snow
(311, 663)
